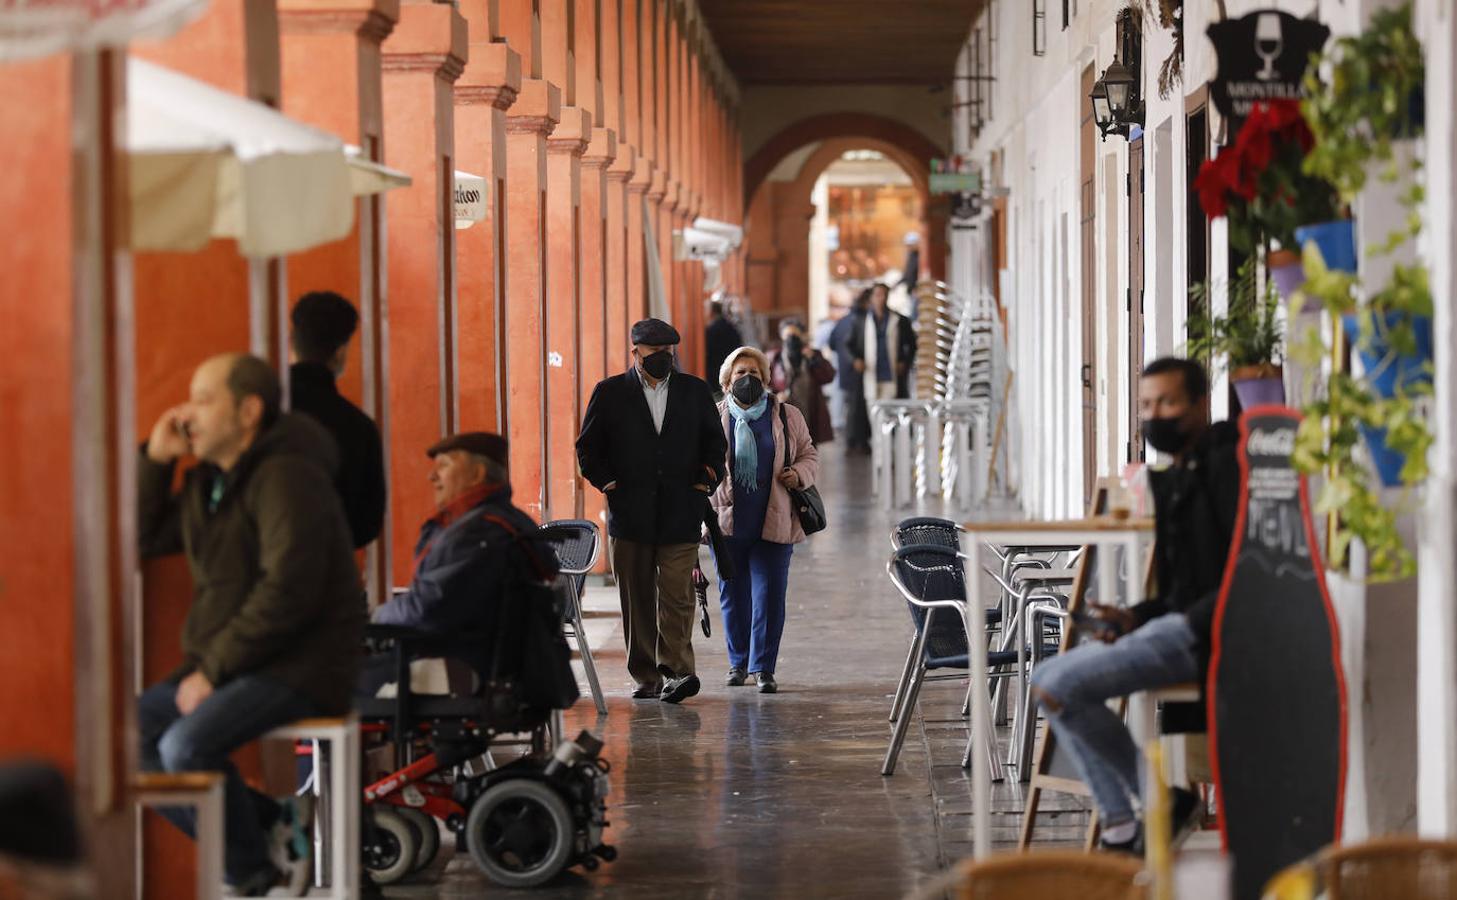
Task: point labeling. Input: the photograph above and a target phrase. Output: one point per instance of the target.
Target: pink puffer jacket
(781, 525)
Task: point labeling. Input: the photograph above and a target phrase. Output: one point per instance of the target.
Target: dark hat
(481, 443)
(654, 333)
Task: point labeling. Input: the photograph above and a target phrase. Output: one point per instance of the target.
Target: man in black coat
(652, 441)
(323, 323)
(720, 339)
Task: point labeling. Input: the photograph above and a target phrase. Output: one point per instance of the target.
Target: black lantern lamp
(1119, 82)
(1102, 112)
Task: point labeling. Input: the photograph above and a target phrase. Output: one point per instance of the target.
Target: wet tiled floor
(737, 794)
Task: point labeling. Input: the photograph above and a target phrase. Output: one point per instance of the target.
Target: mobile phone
(182, 427)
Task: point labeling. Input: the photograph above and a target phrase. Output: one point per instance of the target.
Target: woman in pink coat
(758, 521)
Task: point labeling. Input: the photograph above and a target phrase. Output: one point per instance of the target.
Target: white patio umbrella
(207, 164)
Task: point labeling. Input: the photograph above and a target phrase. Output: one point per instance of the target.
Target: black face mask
(659, 365)
(1165, 435)
(747, 389)
(794, 346)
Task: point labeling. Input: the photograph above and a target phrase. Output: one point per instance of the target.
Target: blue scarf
(746, 447)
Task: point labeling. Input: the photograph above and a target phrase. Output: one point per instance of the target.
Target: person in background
(797, 376)
(651, 441)
(1164, 640)
(852, 382)
(720, 338)
(276, 625)
(323, 323)
(756, 514)
(883, 347)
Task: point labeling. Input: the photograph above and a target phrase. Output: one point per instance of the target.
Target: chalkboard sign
(1053, 769)
(1277, 699)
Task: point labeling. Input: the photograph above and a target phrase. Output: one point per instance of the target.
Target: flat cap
(654, 333)
(481, 443)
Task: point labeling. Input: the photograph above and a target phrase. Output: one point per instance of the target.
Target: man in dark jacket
(277, 613)
(460, 558)
(652, 441)
(323, 323)
(1164, 640)
(720, 339)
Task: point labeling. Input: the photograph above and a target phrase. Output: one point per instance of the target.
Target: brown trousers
(655, 585)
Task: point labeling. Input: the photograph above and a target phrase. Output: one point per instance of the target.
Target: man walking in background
(652, 442)
(323, 323)
(721, 338)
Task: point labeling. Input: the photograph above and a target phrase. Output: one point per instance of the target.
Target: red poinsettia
(1257, 182)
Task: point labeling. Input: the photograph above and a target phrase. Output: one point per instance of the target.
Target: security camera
(697, 244)
(732, 233)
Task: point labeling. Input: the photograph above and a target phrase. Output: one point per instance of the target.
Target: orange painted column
(422, 59)
(531, 118)
(188, 307)
(615, 267)
(564, 232)
(483, 94)
(331, 69)
(593, 316)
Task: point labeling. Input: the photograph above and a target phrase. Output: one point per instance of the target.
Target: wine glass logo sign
(1269, 41)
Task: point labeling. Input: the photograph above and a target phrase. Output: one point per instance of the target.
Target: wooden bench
(203, 791)
(336, 816)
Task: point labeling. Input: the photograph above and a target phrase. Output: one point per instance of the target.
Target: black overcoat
(654, 501)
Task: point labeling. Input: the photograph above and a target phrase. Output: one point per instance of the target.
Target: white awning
(369, 177)
(470, 199)
(207, 164)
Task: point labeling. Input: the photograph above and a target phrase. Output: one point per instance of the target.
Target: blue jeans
(238, 712)
(1083, 680)
(753, 603)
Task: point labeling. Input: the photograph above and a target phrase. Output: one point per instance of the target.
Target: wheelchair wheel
(520, 833)
(390, 855)
(429, 836)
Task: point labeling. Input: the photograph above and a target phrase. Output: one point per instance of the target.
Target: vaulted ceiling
(840, 41)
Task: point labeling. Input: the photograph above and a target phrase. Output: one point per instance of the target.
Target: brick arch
(914, 150)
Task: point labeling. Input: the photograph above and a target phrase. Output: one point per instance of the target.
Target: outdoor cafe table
(1101, 532)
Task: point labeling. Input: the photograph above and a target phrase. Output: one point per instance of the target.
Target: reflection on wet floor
(741, 794)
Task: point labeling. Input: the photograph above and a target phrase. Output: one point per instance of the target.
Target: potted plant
(1260, 184)
(1360, 95)
(1249, 337)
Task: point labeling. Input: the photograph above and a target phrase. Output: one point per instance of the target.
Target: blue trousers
(753, 603)
(240, 711)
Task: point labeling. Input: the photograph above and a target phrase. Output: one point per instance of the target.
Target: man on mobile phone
(1164, 640)
(277, 617)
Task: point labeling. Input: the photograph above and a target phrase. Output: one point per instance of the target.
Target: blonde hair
(726, 370)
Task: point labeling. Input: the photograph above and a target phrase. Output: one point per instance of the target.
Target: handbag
(806, 500)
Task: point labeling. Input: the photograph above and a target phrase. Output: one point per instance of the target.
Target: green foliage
(1364, 101)
(1249, 334)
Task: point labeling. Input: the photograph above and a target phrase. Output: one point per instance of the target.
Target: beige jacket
(781, 525)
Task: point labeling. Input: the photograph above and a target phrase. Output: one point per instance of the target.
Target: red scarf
(452, 511)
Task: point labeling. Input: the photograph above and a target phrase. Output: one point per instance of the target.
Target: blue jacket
(461, 571)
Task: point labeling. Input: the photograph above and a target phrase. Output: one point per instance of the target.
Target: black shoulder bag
(807, 503)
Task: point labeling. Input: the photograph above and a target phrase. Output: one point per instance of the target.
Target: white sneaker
(291, 844)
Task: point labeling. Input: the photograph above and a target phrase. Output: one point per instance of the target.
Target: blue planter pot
(1336, 240)
(1385, 375)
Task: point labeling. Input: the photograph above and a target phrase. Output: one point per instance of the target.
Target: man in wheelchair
(482, 593)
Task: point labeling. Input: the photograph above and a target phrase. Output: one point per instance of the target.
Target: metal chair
(932, 579)
(578, 546)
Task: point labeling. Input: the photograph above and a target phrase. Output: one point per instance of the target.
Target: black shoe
(259, 883)
(736, 677)
(1130, 847)
(679, 689)
(767, 684)
(647, 692)
(1186, 814)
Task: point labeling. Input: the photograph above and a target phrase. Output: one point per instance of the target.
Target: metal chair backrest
(922, 531)
(932, 578)
(578, 546)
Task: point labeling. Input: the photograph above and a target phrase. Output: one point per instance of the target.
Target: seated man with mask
(461, 565)
(1165, 640)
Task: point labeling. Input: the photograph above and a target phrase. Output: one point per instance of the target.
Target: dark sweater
(360, 479)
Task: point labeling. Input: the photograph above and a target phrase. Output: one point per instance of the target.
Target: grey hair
(495, 472)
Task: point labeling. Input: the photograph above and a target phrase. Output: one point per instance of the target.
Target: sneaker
(1131, 847)
(679, 689)
(1186, 814)
(291, 844)
(736, 677)
(767, 684)
(647, 692)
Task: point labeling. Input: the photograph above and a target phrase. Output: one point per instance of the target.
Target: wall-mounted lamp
(1102, 115)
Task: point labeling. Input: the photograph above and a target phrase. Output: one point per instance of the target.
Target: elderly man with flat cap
(653, 443)
(459, 558)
